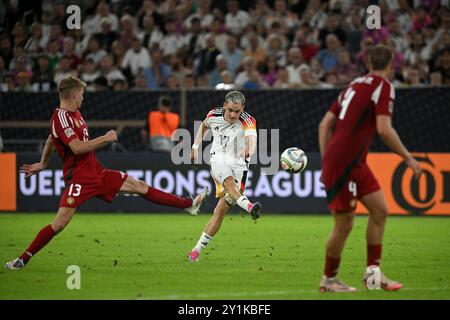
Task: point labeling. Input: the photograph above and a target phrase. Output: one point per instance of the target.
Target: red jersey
(356, 109)
(66, 126)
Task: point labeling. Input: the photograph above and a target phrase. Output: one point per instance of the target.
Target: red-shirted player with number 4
(84, 176)
(345, 134)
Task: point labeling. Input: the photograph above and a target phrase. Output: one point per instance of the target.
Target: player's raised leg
(376, 204)
(343, 224)
(242, 201)
(44, 236)
(211, 228)
(156, 196)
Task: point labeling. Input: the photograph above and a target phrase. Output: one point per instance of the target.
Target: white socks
(203, 242)
(243, 202)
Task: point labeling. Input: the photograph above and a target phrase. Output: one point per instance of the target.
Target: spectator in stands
(255, 49)
(442, 65)
(202, 14)
(235, 19)
(89, 73)
(205, 61)
(150, 36)
(93, 24)
(36, 42)
(109, 71)
(328, 57)
(118, 54)
(435, 79)
(353, 26)
(120, 85)
(361, 57)
(421, 20)
(188, 81)
(94, 51)
(404, 16)
(282, 79)
(3, 70)
(248, 67)
(232, 54)
(172, 40)
(128, 33)
(23, 80)
(19, 35)
(6, 49)
(21, 64)
(69, 51)
(295, 59)
(215, 76)
(160, 126)
(8, 83)
(56, 35)
(42, 75)
(156, 74)
(177, 68)
(412, 77)
(100, 84)
(331, 27)
(194, 39)
(53, 54)
(275, 50)
(227, 81)
(140, 82)
(217, 32)
(344, 70)
(301, 41)
(172, 82)
(136, 59)
(400, 39)
(269, 71)
(64, 69)
(106, 36)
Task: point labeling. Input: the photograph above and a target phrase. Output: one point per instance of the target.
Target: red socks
(331, 266)
(167, 199)
(42, 238)
(373, 254)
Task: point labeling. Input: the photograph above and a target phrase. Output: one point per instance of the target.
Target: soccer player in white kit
(234, 142)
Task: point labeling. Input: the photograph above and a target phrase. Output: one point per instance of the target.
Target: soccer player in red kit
(345, 134)
(84, 176)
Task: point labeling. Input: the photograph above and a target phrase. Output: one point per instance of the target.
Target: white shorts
(219, 172)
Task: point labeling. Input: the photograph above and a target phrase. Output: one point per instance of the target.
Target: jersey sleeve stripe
(376, 94)
(62, 119)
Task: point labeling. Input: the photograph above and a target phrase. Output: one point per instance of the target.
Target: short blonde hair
(68, 84)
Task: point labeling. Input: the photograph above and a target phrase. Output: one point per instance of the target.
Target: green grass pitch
(135, 256)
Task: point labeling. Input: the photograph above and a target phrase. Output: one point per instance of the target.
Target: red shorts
(78, 192)
(343, 190)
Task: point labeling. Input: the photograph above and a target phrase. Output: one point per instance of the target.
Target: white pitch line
(266, 293)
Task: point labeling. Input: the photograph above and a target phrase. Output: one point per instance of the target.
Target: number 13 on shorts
(74, 190)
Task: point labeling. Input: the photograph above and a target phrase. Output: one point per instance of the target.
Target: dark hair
(380, 56)
(165, 101)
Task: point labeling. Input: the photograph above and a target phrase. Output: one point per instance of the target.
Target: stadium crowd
(141, 45)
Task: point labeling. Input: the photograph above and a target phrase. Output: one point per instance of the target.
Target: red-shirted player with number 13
(84, 176)
(345, 134)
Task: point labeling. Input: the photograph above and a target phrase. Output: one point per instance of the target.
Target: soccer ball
(293, 160)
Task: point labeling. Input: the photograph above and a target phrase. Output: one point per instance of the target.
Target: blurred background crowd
(145, 44)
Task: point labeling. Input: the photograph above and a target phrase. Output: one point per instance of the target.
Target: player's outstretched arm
(47, 153)
(198, 140)
(390, 137)
(325, 128)
(79, 147)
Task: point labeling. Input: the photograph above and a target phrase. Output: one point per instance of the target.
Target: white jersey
(229, 138)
